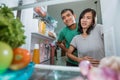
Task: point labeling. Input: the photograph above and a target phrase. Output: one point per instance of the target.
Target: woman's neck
(84, 34)
(84, 31)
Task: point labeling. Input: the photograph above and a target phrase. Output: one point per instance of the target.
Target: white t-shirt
(92, 45)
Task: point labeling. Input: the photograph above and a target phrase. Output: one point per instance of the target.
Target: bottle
(36, 54)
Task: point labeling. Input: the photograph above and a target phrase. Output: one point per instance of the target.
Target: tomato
(6, 56)
(21, 58)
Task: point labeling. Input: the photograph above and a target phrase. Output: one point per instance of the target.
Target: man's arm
(62, 46)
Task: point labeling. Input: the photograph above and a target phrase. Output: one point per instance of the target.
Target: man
(67, 33)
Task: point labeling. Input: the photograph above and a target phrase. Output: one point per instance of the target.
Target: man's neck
(73, 26)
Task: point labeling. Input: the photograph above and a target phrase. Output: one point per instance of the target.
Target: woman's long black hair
(81, 16)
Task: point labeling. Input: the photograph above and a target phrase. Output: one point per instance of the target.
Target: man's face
(68, 18)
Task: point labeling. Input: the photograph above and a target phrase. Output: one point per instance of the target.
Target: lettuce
(11, 29)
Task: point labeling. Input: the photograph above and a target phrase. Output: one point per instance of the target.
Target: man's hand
(62, 46)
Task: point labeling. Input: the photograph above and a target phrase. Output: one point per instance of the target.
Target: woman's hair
(82, 15)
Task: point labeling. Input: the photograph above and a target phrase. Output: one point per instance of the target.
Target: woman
(89, 43)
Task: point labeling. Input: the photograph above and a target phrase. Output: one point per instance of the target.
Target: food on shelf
(11, 38)
(41, 11)
(85, 66)
(36, 54)
(42, 27)
(11, 28)
(104, 73)
(112, 62)
(52, 34)
(108, 69)
(6, 56)
(21, 59)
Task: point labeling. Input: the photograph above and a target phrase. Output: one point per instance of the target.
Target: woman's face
(87, 20)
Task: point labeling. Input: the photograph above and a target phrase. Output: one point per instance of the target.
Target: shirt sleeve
(73, 42)
(101, 30)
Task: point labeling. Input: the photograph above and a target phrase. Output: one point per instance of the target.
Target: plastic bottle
(36, 54)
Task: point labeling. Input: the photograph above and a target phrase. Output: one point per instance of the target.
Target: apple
(6, 56)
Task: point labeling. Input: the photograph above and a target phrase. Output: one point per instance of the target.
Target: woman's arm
(71, 55)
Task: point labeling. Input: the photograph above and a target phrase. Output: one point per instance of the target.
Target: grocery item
(40, 10)
(36, 54)
(6, 56)
(85, 66)
(42, 27)
(11, 28)
(21, 59)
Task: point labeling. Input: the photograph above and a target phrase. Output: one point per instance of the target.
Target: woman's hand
(93, 61)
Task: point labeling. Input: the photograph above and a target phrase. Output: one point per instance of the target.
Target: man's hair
(64, 10)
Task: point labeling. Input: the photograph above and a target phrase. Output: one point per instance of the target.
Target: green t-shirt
(67, 35)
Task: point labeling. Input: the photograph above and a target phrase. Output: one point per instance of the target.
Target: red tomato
(21, 58)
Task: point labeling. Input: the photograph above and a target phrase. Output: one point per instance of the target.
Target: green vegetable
(11, 29)
(6, 56)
